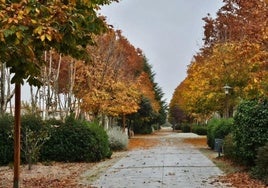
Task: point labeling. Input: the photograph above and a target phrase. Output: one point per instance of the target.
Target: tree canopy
(30, 27)
(234, 53)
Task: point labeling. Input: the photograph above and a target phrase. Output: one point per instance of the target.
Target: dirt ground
(59, 175)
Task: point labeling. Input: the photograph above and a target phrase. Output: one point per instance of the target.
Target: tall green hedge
(250, 129)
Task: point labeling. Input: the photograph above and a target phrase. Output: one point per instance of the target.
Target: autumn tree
(153, 108)
(234, 53)
(108, 84)
(58, 77)
(177, 107)
(238, 20)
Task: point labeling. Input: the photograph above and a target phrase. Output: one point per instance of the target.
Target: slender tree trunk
(57, 105)
(17, 135)
(10, 93)
(124, 122)
(71, 86)
(5, 90)
(2, 88)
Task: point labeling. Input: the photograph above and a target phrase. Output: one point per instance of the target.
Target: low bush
(34, 133)
(176, 127)
(260, 171)
(6, 139)
(100, 150)
(76, 141)
(118, 140)
(186, 128)
(250, 129)
(229, 147)
(199, 129)
(54, 122)
(218, 128)
(156, 127)
(143, 129)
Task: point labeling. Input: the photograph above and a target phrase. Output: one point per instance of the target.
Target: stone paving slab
(190, 177)
(162, 167)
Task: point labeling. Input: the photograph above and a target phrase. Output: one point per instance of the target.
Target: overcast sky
(168, 32)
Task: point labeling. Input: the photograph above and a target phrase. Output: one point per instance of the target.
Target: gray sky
(168, 32)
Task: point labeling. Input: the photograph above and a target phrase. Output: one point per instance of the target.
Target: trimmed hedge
(229, 148)
(6, 139)
(186, 128)
(142, 129)
(218, 128)
(199, 129)
(76, 141)
(260, 171)
(250, 129)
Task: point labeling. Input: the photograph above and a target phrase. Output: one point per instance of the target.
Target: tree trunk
(124, 122)
(2, 89)
(70, 99)
(6, 93)
(17, 135)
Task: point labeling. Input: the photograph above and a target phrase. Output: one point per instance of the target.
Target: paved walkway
(166, 166)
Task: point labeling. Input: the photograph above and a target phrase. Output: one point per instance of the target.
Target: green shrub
(250, 129)
(199, 129)
(54, 122)
(186, 128)
(223, 129)
(6, 139)
(260, 171)
(210, 133)
(34, 133)
(76, 141)
(156, 127)
(229, 147)
(100, 150)
(143, 129)
(176, 127)
(118, 140)
(218, 128)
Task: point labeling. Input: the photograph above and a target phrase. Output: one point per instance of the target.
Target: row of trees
(60, 47)
(116, 81)
(234, 53)
(30, 27)
(110, 82)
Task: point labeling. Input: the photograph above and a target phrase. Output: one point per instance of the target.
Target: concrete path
(169, 166)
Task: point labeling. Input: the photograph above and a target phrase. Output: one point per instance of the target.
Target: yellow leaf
(43, 37)
(20, 15)
(27, 10)
(37, 10)
(10, 20)
(48, 37)
(38, 30)
(19, 35)
(17, 42)
(33, 21)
